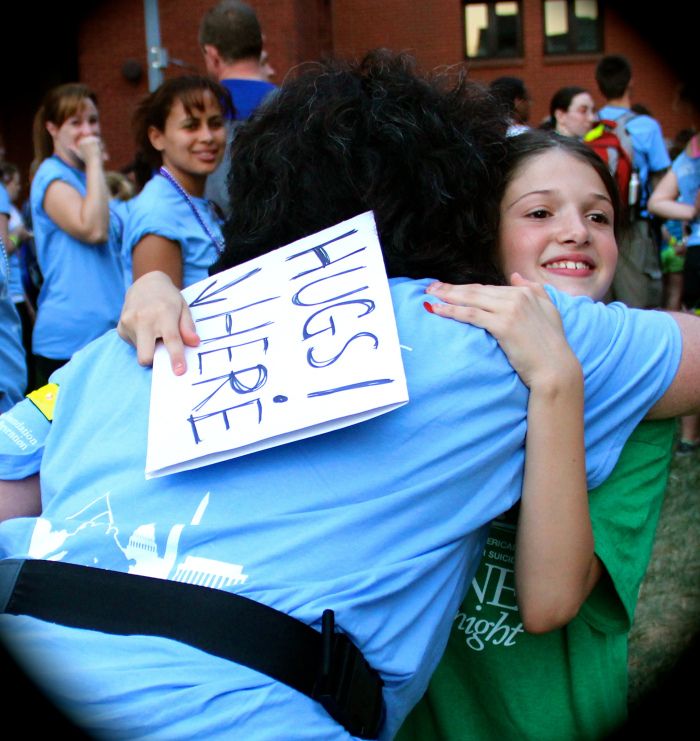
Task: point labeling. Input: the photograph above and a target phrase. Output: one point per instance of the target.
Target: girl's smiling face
(556, 225)
(192, 144)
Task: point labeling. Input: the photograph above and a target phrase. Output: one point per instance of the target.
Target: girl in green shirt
(566, 563)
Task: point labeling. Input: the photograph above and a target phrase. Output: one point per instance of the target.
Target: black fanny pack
(325, 666)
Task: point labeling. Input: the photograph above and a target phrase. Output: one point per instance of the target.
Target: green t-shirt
(496, 681)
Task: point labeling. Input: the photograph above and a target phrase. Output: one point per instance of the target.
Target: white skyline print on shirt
(141, 550)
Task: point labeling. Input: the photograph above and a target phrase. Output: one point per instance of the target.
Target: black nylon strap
(221, 623)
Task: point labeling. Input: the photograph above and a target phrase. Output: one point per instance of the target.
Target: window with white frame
(492, 29)
(572, 26)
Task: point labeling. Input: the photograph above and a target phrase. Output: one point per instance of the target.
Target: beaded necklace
(218, 243)
(6, 260)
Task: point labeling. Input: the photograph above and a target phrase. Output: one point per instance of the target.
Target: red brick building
(92, 41)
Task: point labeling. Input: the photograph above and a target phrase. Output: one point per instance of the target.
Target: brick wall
(113, 31)
(299, 30)
(294, 31)
(434, 30)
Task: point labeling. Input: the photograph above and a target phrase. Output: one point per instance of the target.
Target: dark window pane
(571, 26)
(492, 29)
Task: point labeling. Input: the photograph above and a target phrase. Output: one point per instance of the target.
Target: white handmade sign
(295, 343)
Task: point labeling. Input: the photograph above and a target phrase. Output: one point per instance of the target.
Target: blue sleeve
(657, 152)
(147, 216)
(23, 433)
(52, 169)
(13, 369)
(5, 205)
(26, 427)
(629, 358)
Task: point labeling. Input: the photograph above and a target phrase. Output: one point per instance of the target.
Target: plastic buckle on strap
(9, 573)
(347, 687)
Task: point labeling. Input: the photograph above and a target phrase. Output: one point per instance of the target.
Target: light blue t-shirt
(383, 522)
(16, 284)
(118, 215)
(23, 433)
(161, 209)
(650, 151)
(15, 288)
(13, 367)
(687, 171)
(83, 290)
(5, 203)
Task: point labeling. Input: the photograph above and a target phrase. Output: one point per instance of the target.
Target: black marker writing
(230, 312)
(224, 413)
(317, 363)
(296, 298)
(208, 292)
(228, 349)
(351, 387)
(235, 380)
(367, 303)
(322, 254)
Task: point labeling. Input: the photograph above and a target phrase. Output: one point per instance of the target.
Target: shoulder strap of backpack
(325, 666)
(623, 133)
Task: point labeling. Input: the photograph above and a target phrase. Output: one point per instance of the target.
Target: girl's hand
(555, 564)
(154, 309)
(89, 148)
(524, 321)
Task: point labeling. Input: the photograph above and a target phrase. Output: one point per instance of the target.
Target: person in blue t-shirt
(170, 226)
(383, 522)
(637, 281)
(82, 290)
(18, 238)
(232, 44)
(13, 367)
(677, 196)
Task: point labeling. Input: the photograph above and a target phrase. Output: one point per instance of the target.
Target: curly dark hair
(422, 152)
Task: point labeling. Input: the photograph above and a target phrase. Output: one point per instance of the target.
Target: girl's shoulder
(156, 200)
(156, 195)
(53, 168)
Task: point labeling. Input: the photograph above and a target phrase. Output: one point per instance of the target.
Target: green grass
(668, 613)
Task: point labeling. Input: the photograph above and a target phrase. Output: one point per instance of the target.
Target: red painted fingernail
(428, 306)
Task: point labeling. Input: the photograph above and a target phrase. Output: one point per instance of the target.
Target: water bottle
(634, 189)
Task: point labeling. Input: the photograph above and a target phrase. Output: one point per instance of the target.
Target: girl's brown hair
(59, 104)
(155, 108)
